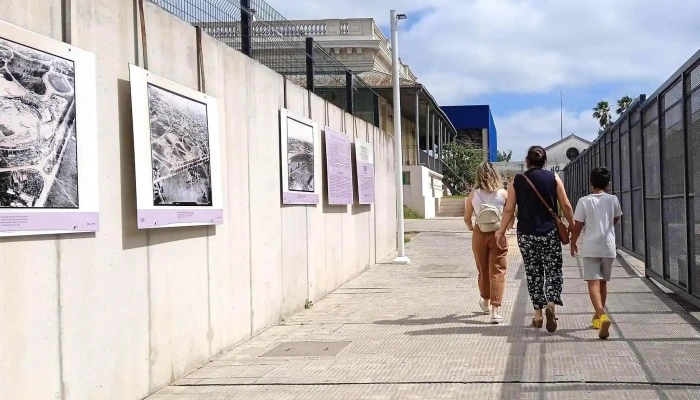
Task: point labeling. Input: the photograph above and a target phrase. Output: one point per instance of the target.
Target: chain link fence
(254, 28)
(653, 151)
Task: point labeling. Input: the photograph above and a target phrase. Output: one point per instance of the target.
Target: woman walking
(486, 203)
(538, 234)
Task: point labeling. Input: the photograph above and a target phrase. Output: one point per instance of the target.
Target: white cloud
(463, 48)
(541, 126)
(327, 9)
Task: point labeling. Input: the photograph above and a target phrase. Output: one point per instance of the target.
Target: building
(559, 155)
(562, 152)
(360, 46)
(475, 128)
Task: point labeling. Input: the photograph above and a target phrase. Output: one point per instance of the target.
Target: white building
(359, 45)
(559, 155)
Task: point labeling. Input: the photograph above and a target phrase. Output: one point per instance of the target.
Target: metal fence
(412, 155)
(653, 153)
(254, 28)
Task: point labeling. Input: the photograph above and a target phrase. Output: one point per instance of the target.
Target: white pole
(401, 258)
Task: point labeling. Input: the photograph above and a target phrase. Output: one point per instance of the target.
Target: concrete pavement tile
(411, 333)
(232, 371)
(678, 392)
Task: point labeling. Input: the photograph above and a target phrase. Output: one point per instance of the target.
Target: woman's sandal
(551, 319)
(537, 323)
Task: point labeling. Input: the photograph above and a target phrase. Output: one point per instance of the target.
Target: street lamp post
(398, 156)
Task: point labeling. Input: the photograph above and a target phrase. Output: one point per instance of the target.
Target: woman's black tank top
(533, 217)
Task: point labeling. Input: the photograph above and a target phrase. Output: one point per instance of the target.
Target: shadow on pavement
(647, 347)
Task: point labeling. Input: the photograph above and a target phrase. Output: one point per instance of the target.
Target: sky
(518, 55)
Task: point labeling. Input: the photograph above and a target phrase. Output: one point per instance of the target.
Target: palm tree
(601, 112)
(623, 104)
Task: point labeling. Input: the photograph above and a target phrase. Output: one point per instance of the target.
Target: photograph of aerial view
(180, 153)
(300, 157)
(38, 143)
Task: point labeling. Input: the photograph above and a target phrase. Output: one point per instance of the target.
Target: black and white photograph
(177, 153)
(300, 157)
(38, 140)
(180, 150)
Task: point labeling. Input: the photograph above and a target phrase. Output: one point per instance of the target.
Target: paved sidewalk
(413, 332)
(447, 224)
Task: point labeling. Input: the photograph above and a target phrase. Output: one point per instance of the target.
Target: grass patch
(408, 236)
(410, 214)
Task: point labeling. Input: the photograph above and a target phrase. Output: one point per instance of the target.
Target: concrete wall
(424, 192)
(120, 313)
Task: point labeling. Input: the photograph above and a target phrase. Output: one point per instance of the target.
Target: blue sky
(516, 55)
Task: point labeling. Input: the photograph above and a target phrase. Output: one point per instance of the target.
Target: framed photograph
(299, 155)
(364, 162)
(176, 152)
(48, 136)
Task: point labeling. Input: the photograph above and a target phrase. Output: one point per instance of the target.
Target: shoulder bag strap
(544, 202)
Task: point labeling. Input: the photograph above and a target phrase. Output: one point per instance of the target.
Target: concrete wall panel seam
(124, 312)
(59, 319)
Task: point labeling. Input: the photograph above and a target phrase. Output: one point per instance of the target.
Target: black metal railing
(411, 155)
(432, 162)
(652, 150)
(256, 29)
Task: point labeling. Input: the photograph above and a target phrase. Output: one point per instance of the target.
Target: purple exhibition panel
(50, 221)
(152, 218)
(365, 172)
(339, 168)
(365, 182)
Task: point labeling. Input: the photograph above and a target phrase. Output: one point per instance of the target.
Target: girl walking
(486, 203)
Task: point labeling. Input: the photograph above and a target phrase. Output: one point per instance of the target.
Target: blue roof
(468, 117)
(475, 117)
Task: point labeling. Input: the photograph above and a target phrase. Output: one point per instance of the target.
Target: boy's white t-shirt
(597, 211)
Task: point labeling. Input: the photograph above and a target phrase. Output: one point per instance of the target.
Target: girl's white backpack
(488, 217)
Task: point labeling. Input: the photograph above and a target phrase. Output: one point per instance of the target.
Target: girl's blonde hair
(488, 178)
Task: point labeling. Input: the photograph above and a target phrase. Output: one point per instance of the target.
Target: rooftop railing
(256, 29)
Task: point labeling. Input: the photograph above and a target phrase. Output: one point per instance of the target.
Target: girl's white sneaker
(496, 317)
(484, 304)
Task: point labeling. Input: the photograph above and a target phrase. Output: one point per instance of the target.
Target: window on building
(406, 178)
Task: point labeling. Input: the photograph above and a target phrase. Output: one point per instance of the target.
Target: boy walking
(599, 212)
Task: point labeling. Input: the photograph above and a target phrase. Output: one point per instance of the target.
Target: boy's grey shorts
(596, 269)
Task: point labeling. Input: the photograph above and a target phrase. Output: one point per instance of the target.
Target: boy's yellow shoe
(604, 331)
(596, 323)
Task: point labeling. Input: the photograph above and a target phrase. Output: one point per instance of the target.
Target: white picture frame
(49, 182)
(299, 159)
(178, 170)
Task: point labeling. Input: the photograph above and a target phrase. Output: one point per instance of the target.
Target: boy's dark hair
(600, 178)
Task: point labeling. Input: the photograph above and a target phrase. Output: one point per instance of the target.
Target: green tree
(623, 104)
(504, 156)
(460, 163)
(601, 112)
